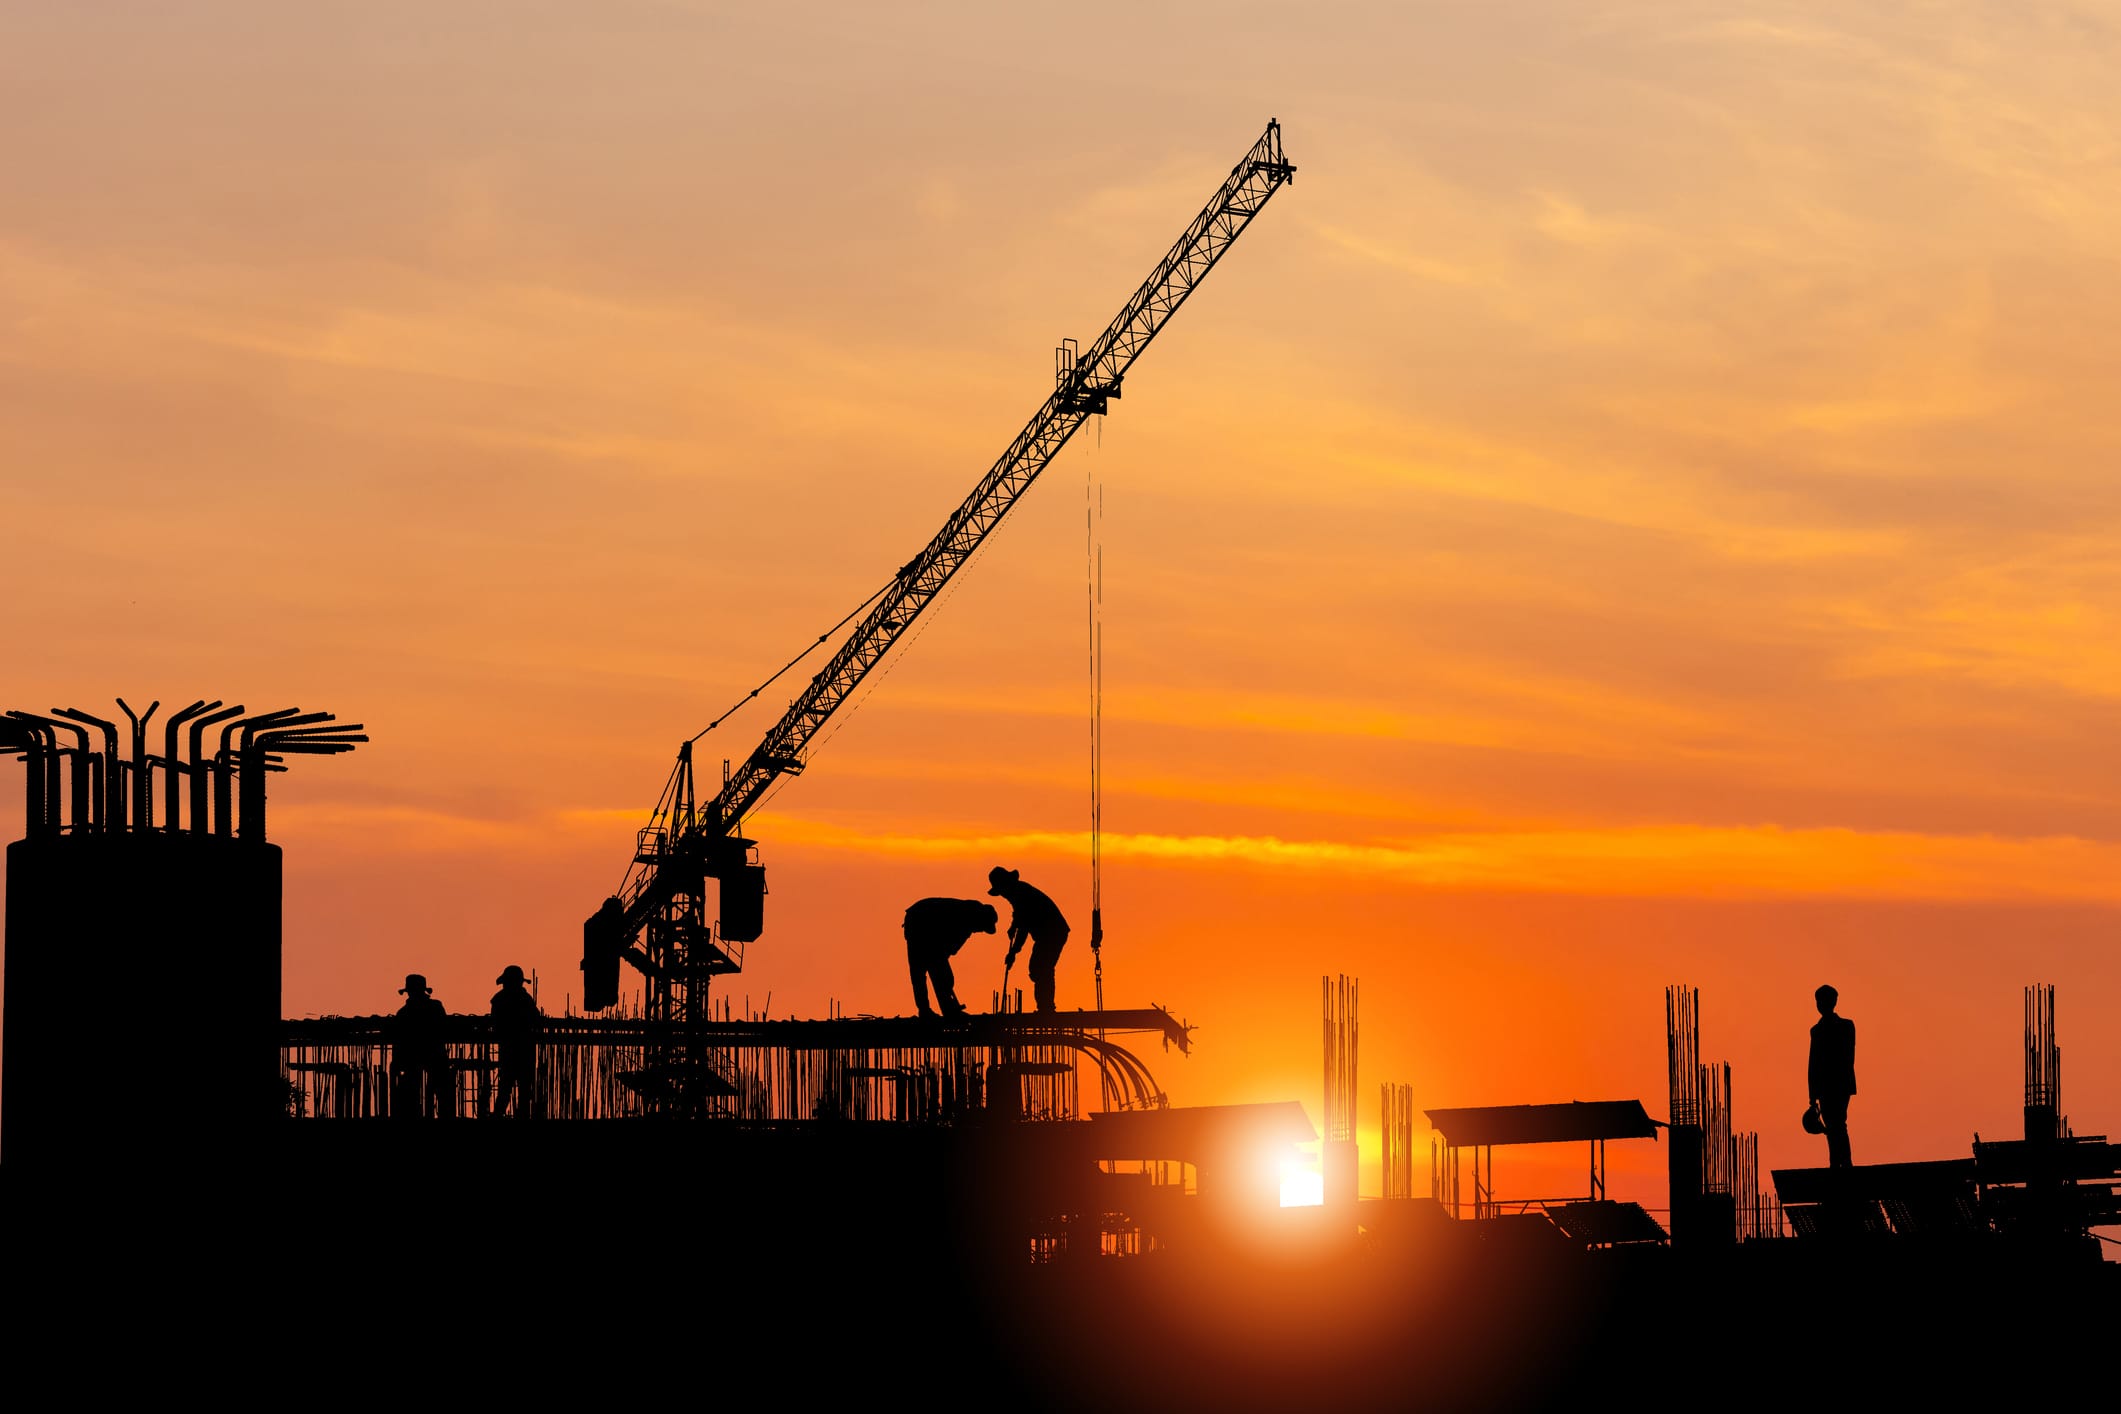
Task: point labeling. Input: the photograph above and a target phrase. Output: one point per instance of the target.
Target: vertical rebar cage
(1340, 1161)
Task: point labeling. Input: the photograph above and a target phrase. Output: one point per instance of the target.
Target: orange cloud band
(1662, 860)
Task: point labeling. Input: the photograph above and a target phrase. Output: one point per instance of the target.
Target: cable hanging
(1094, 593)
(664, 801)
(859, 609)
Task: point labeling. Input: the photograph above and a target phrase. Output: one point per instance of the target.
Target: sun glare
(1301, 1185)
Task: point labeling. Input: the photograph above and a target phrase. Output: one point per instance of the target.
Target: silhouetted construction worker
(1032, 915)
(935, 929)
(418, 1052)
(1831, 1075)
(513, 1014)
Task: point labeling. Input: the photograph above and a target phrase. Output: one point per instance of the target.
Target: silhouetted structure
(872, 1069)
(2048, 1189)
(2040, 1195)
(869, 1173)
(936, 929)
(1340, 1160)
(1484, 1129)
(1235, 1154)
(1713, 1171)
(659, 920)
(101, 887)
(1396, 1106)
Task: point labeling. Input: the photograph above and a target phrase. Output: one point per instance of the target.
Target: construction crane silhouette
(658, 921)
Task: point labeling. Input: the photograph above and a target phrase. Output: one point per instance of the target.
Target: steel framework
(658, 919)
(895, 1069)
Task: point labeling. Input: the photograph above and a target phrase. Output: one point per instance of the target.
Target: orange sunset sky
(1640, 508)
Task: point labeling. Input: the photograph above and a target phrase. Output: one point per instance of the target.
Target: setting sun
(1302, 1185)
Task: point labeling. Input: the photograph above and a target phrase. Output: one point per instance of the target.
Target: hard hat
(1813, 1124)
(997, 876)
(414, 982)
(510, 973)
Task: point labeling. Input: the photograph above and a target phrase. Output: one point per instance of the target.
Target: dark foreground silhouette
(830, 1260)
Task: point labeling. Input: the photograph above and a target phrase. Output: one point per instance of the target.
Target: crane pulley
(658, 921)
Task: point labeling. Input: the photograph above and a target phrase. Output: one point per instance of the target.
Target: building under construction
(958, 1155)
(871, 1172)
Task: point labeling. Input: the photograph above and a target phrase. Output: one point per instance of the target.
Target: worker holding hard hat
(1830, 1077)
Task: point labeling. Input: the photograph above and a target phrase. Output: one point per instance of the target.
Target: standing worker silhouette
(1031, 915)
(1831, 1075)
(513, 1015)
(936, 928)
(419, 1053)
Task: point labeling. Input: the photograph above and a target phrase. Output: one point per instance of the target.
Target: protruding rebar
(202, 770)
(106, 795)
(172, 767)
(141, 796)
(325, 739)
(111, 792)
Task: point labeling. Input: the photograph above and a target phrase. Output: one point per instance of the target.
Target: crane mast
(657, 920)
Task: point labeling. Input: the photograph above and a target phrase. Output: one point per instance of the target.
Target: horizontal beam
(836, 1033)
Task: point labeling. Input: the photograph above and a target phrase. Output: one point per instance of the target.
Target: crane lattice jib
(1097, 371)
(1080, 392)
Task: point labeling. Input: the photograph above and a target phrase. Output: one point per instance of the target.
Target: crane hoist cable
(661, 902)
(741, 702)
(1094, 599)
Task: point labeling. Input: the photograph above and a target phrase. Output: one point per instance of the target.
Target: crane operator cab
(608, 935)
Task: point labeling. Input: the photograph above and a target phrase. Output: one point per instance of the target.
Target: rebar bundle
(2043, 1054)
(1701, 1112)
(1397, 1103)
(74, 786)
(1340, 1050)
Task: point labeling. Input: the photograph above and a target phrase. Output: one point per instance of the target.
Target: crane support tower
(658, 919)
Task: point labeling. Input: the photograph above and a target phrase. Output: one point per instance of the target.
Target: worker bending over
(935, 929)
(1032, 915)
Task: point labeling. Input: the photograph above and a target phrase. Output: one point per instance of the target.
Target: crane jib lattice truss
(660, 902)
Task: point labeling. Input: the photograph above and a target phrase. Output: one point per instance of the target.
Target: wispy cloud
(1677, 861)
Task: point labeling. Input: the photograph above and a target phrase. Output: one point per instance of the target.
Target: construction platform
(874, 1068)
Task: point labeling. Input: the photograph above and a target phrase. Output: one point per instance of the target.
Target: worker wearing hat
(514, 1020)
(419, 1053)
(1033, 916)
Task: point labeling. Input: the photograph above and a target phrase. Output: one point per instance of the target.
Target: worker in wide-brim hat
(1035, 916)
(419, 1053)
(513, 1018)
